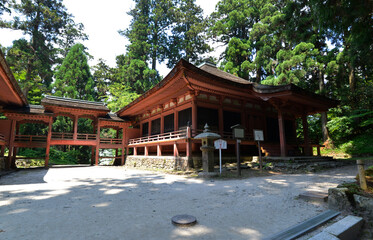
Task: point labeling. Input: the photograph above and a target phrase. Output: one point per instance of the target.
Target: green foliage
(63, 158)
(73, 77)
(62, 124)
(32, 152)
(25, 69)
(121, 96)
(103, 76)
(51, 30)
(188, 39)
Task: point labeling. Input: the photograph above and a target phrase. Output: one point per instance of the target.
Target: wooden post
(318, 151)
(307, 148)
(11, 144)
(117, 150)
(93, 155)
(176, 150)
(2, 151)
(134, 151)
(123, 146)
(238, 157)
(282, 133)
(76, 119)
(159, 150)
(47, 149)
(194, 115)
(361, 171)
(146, 151)
(97, 143)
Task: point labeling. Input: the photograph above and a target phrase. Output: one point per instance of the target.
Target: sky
(102, 20)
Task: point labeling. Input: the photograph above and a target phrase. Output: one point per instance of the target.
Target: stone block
(364, 202)
(337, 199)
(346, 229)
(324, 236)
(314, 196)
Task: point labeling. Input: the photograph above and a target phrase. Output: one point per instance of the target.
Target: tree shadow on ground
(114, 203)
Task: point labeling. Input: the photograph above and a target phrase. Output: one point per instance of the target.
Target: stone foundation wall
(163, 162)
(174, 163)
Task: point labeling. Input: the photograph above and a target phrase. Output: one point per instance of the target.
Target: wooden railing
(110, 140)
(225, 135)
(61, 135)
(70, 136)
(30, 138)
(160, 137)
(2, 138)
(86, 136)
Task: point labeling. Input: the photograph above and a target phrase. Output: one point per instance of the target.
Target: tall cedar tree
(73, 77)
(188, 39)
(132, 68)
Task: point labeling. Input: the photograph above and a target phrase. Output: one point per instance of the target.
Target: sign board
(220, 144)
(238, 133)
(258, 135)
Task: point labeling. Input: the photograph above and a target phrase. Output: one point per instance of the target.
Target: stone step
(346, 229)
(304, 227)
(314, 196)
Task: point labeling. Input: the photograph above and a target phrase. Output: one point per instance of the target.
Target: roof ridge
(74, 100)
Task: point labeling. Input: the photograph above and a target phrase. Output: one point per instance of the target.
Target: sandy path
(115, 203)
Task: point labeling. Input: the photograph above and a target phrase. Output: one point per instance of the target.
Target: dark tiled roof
(73, 103)
(212, 69)
(113, 117)
(260, 88)
(29, 109)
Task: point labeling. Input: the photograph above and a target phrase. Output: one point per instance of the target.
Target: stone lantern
(207, 149)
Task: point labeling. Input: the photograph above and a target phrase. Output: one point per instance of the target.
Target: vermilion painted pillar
(146, 151)
(159, 150)
(11, 144)
(97, 143)
(116, 150)
(123, 146)
(76, 119)
(93, 155)
(307, 148)
(48, 142)
(176, 150)
(194, 115)
(134, 151)
(282, 134)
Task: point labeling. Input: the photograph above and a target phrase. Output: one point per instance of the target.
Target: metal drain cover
(184, 220)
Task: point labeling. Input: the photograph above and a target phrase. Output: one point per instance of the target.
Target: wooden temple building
(169, 115)
(160, 125)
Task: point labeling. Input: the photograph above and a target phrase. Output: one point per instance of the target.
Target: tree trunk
(324, 118)
(352, 84)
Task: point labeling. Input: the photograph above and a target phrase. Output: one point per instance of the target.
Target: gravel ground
(119, 203)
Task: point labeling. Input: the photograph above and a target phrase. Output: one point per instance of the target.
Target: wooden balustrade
(86, 136)
(111, 140)
(61, 135)
(160, 137)
(30, 138)
(2, 138)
